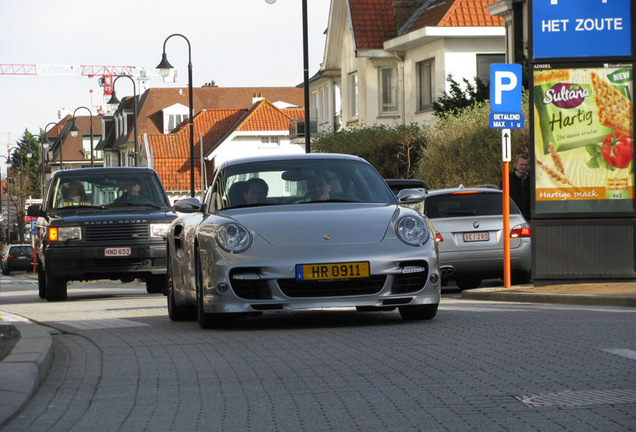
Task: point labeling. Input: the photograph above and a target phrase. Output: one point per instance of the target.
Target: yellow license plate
(332, 271)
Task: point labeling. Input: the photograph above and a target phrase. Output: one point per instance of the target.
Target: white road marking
(630, 354)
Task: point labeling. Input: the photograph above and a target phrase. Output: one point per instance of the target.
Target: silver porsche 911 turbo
(287, 232)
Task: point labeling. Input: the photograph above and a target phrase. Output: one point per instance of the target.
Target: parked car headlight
(233, 237)
(159, 230)
(412, 230)
(65, 233)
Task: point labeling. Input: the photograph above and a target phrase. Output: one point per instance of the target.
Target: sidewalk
(592, 294)
(26, 368)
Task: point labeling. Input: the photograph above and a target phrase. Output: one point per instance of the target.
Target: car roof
(462, 189)
(406, 183)
(288, 157)
(104, 170)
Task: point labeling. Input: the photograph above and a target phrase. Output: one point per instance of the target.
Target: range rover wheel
(156, 284)
(56, 289)
(41, 283)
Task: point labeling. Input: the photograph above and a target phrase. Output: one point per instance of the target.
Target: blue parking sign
(505, 88)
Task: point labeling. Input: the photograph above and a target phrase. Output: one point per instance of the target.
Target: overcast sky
(236, 43)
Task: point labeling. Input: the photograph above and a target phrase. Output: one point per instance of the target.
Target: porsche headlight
(159, 230)
(233, 237)
(412, 230)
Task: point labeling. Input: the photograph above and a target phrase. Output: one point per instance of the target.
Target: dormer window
(173, 116)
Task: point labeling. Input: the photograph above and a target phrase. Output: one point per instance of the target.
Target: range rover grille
(131, 232)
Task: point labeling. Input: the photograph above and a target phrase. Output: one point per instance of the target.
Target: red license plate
(117, 252)
(477, 236)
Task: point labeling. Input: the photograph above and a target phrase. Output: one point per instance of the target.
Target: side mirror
(410, 196)
(188, 205)
(35, 210)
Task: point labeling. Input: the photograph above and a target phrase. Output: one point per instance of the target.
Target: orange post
(506, 222)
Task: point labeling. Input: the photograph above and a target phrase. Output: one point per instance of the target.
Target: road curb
(24, 370)
(503, 294)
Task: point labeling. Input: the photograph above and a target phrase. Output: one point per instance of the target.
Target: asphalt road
(121, 364)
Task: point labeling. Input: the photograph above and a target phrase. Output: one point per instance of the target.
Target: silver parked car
(299, 231)
(469, 224)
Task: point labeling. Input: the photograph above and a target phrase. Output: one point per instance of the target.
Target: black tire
(467, 283)
(175, 312)
(419, 312)
(41, 283)
(521, 278)
(156, 284)
(56, 289)
(207, 320)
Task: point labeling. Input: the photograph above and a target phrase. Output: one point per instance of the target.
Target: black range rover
(102, 223)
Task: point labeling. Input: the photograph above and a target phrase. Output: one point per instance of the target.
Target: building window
(388, 82)
(269, 141)
(483, 65)
(86, 145)
(353, 95)
(425, 84)
(175, 119)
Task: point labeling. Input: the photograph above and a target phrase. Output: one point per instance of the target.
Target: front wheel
(419, 312)
(176, 312)
(41, 283)
(56, 289)
(156, 284)
(467, 283)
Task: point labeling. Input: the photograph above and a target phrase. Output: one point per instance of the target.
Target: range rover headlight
(159, 230)
(412, 230)
(233, 237)
(65, 233)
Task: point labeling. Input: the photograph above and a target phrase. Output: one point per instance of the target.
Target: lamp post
(75, 130)
(45, 144)
(114, 101)
(164, 68)
(305, 74)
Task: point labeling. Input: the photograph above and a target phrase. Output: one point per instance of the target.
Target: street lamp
(114, 102)
(164, 68)
(75, 130)
(45, 144)
(305, 74)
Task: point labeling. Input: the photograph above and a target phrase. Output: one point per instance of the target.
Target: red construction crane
(106, 73)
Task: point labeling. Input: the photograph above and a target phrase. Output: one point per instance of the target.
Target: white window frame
(354, 99)
(389, 90)
(425, 83)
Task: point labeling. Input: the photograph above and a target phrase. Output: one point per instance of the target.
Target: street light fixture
(115, 102)
(45, 144)
(305, 74)
(75, 130)
(164, 68)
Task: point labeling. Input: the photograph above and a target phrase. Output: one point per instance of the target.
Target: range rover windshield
(110, 190)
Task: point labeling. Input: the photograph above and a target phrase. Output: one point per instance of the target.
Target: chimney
(257, 97)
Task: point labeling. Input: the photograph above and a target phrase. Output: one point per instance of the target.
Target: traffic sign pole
(506, 221)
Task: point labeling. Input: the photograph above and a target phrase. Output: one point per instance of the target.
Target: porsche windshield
(301, 181)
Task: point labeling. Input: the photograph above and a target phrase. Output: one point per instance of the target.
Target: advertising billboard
(583, 136)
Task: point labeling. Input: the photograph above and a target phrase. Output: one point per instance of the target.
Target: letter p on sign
(505, 88)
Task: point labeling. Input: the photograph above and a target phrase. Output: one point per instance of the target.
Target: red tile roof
(374, 21)
(171, 152)
(457, 13)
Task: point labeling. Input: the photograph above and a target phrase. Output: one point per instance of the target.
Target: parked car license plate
(117, 252)
(331, 271)
(476, 236)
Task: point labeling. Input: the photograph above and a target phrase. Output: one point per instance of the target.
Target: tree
(460, 98)
(22, 178)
